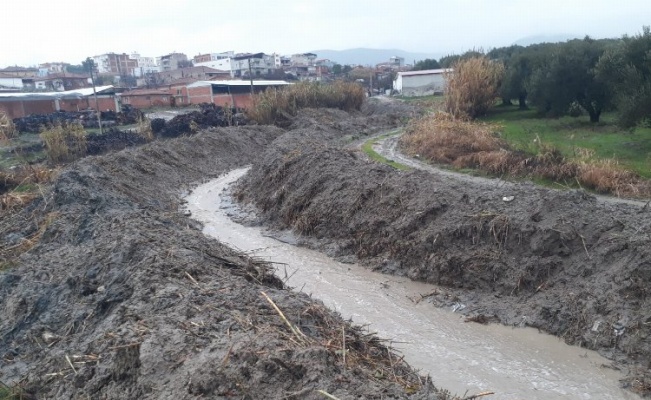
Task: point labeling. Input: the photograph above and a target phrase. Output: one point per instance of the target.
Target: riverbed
(515, 363)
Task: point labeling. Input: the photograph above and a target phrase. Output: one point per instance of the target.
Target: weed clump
(277, 105)
(472, 87)
(7, 127)
(64, 142)
(442, 138)
(145, 129)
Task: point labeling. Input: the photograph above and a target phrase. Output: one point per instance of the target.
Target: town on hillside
(112, 80)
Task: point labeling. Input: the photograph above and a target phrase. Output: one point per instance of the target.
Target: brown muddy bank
(559, 261)
(117, 295)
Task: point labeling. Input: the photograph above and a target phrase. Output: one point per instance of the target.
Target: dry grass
(22, 178)
(353, 347)
(64, 142)
(473, 87)
(7, 127)
(274, 105)
(441, 138)
(144, 129)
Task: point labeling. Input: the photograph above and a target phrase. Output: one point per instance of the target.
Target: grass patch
(441, 138)
(367, 148)
(576, 138)
(64, 142)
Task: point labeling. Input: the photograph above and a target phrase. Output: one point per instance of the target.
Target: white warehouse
(421, 83)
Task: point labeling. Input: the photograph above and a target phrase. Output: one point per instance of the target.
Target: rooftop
(238, 83)
(426, 72)
(77, 93)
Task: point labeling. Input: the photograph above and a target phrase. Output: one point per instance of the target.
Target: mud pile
(112, 139)
(88, 119)
(559, 261)
(209, 115)
(118, 296)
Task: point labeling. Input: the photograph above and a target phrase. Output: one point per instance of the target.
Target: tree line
(581, 75)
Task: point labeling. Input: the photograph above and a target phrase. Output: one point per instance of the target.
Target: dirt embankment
(559, 261)
(118, 296)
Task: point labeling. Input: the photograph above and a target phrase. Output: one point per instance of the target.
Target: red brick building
(147, 98)
(235, 93)
(18, 105)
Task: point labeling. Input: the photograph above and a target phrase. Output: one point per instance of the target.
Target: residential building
(170, 62)
(196, 73)
(258, 63)
(10, 83)
(52, 68)
(324, 62)
(202, 58)
(224, 64)
(20, 72)
(395, 63)
(421, 83)
(145, 65)
(115, 64)
(59, 82)
(307, 59)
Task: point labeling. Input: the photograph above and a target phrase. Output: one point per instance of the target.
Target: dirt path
(388, 147)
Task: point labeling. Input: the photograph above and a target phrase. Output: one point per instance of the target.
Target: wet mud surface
(563, 262)
(513, 362)
(118, 295)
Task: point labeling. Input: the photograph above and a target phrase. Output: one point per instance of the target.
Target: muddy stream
(515, 363)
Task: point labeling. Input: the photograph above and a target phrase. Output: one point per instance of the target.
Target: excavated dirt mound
(209, 115)
(112, 139)
(559, 261)
(117, 295)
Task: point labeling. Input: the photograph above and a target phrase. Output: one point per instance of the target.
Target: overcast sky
(38, 31)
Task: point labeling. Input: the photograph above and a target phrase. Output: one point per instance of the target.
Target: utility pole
(251, 76)
(90, 64)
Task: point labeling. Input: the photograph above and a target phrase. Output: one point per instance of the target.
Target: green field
(522, 128)
(367, 148)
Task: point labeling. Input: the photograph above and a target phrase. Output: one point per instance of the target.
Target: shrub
(276, 105)
(471, 89)
(64, 142)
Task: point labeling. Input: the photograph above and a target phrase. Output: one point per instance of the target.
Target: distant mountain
(529, 40)
(364, 56)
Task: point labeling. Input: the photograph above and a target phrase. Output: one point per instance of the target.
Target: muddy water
(515, 363)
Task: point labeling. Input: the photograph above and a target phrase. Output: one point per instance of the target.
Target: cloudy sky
(37, 31)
